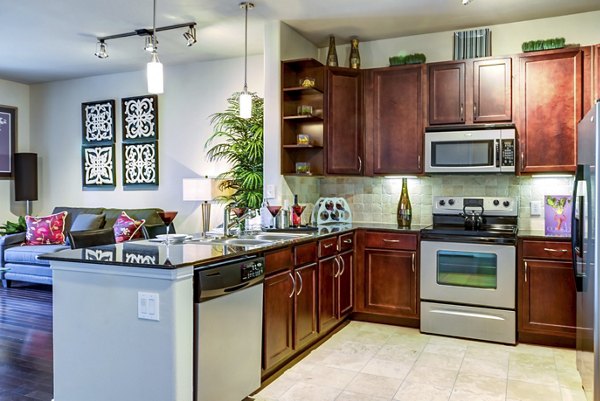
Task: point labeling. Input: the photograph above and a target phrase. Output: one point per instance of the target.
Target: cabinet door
(548, 298)
(278, 319)
(390, 283)
(492, 90)
(305, 305)
(344, 129)
(447, 93)
(397, 119)
(328, 269)
(550, 106)
(345, 284)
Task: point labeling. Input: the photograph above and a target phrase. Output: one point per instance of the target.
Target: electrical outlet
(148, 306)
(536, 208)
(270, 192)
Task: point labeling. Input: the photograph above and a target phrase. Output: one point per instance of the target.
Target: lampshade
(198, 189)
(245, 105)
(154, 73)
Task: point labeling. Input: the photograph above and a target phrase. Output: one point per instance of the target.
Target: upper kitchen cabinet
(395, 100)
(323, 103)
(303, 86)
(470, 91)
(344, 123)
(551, 87)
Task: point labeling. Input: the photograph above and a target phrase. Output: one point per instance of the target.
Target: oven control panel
(491, 206)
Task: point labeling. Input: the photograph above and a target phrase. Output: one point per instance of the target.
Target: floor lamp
(26, 179)
(200, 189)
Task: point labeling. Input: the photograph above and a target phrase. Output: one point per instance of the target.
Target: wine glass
(274, 210)
(167, 218)
(298, 209)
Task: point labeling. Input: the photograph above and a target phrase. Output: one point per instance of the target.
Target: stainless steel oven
(468, 271)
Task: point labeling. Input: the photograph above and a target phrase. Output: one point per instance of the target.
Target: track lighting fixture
(101, 49)
(149, 44)
(190, 35)
(245, 97)
(466, 2)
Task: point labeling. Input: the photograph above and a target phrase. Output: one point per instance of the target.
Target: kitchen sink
(245, 242)
(279, 236)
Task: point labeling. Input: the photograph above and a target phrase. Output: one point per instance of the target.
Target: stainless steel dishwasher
(228, 329)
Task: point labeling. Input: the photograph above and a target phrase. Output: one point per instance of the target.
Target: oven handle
(468, 314)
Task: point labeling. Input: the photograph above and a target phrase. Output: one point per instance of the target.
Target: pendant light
(154, 69)
(245, 97)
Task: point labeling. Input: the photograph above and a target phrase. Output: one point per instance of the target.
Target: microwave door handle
(497, 153)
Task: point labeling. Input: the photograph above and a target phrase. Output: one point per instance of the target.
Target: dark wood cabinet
(278, 319)
(328, 269)
(346, 284)
(470, 91)
(387, 276)
(305, 314)
(550, 104)
(394, 119)
(344, 142)
(546, 293)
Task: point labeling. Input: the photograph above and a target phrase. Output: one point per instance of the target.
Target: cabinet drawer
(346, 242)
(328, 247)
(278, 260)
(305, 254)
(547, 250)
(386, 240)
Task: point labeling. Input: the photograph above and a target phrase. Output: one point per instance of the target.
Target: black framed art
(8, 138)
(140, 118)
(98, 166)
(98, 122)
(140, 164)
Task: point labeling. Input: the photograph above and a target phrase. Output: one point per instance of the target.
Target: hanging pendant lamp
(245, 97)
(154, 69)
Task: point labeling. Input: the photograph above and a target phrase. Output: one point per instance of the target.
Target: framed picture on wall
(8, 137)
(140, 118)
(98, 166)
(140, 164)
(98, 122)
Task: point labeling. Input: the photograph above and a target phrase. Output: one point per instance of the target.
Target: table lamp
(200, 189)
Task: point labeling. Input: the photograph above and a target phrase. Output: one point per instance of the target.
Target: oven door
(471, 274)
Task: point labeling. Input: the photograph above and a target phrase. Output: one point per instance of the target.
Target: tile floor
(375, 362)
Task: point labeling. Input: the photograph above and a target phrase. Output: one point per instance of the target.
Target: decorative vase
(404, 207)
(332, 60)
(354, 55)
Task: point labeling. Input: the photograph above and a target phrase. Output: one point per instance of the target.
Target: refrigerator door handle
(577, 218)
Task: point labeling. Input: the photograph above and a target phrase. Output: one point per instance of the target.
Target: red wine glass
(274, 210)
(167, 218)
(298, 209)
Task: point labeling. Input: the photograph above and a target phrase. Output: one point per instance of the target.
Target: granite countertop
(151, 254)
(539, 234)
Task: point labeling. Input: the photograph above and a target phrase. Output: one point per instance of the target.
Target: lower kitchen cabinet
(305, 301)
(387, 278)
(278, 319)
(546, 293)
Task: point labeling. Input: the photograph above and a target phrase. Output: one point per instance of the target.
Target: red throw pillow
(46, 230)
(126, 228)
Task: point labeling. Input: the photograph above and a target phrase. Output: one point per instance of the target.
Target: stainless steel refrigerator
(586, 252)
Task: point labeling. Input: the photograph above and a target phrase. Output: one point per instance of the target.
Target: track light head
(150, 44)
(190, 35)
(466, 2)
(101, 49)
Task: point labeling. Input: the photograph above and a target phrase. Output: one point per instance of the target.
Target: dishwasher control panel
(252, 270)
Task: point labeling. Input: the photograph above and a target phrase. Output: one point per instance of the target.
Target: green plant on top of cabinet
(550, 104)
(470, 91)
(395, 100)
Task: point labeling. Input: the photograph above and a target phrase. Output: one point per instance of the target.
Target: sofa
(21, 263)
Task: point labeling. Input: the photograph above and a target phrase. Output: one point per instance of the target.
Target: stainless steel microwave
(470, 151)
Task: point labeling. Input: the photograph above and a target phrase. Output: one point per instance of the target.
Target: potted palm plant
(239, 142)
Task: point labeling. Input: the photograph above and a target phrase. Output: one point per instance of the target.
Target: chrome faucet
(229, 222)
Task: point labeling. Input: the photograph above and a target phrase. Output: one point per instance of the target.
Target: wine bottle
(296, 212)
(354, 55)
(332, 60)
(404, 207)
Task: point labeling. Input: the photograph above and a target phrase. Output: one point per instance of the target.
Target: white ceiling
(42, 40)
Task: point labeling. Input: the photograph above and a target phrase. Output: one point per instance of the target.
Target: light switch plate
(148, 306)
(270, 192)
(536, 208)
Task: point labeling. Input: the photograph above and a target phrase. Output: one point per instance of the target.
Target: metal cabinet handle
(474, 109)
(337, 272)
(327, 246)
(413, 262)
(522, 161)
(556, 250)
(418, 162)
(391, 240)
(525, 263)
(293, 285)
(462, 112)
(347, 241)
(301, 283)
(343, 266)
(359, 164)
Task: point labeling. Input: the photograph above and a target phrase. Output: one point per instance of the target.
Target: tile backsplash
(374, 199)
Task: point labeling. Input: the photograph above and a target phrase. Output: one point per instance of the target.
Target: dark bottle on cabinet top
(354, 55)
(404, 207)
(332, 60)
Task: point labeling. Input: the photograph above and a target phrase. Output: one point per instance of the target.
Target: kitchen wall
(192, 93)
(580, 28)
(15, 95)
